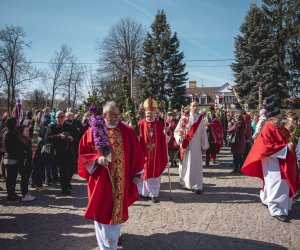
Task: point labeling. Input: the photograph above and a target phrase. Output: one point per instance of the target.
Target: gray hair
(109, 106)
(69, 113)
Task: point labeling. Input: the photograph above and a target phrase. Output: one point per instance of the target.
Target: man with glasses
(111, 184)
(61, 135)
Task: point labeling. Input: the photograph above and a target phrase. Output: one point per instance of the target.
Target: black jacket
(10, 145)
(53, 135)
(25, 153)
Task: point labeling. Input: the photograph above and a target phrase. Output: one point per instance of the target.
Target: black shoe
(282, 218)
(198, 191)
(155, 199)
(66, 192)
(144, 197)
(69, 186)
(234, 171)
(13, 199)
(49, 183)
(120, 240)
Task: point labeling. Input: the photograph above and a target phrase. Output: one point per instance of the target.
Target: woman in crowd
(37, 144)
(24, 160)
(238, 147)
(2, 130)
(10, 145)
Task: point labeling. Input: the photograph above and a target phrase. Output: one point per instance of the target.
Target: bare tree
(121, 51)
(74, 78)
(15, 70)
(59, 65)
(36, 99)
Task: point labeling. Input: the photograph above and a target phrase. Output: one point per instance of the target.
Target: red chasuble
(153, 141)
(105, 205)
(217, 133)
(269, 141)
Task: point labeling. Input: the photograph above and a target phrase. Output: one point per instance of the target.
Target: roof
(210, 91)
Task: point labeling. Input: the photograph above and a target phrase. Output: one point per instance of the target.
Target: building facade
(209, 96)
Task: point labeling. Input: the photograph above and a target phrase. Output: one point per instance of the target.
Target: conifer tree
(257, 61)
(293, 47)
(164, 73)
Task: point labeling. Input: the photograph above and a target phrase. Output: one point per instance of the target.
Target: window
(203, 100)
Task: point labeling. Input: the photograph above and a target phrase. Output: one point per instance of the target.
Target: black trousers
(246, 151)
(65, 165)
(11, 178)
(38, 171)
(25, 171)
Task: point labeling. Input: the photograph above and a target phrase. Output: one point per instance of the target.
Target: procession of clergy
(136, 165)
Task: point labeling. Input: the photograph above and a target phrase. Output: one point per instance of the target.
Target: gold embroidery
(151, 142)
(118, 174)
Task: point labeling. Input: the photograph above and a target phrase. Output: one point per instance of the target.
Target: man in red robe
(154, 144)
(111, 185)
(272, 158)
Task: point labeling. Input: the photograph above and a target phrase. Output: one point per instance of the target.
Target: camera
(66, 134)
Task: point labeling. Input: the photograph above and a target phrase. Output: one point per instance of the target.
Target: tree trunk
(8, 99)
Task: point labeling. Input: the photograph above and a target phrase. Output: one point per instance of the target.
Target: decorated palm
(129, 104)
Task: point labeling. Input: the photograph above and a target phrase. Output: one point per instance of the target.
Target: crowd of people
(42, 150)
(124, 166)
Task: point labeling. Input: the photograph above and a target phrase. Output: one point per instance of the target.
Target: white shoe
(28, 197)
(41, 189)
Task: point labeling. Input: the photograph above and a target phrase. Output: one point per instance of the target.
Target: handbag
(47, 148)
(235, 137)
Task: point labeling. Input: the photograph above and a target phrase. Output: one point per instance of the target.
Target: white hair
(69, 113)
(109, 106)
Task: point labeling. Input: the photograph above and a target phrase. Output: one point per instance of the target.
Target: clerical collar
(150, 120)
(111, 126)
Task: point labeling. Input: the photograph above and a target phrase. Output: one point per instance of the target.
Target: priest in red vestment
(154, 144)
(111, 184)
(272, 158)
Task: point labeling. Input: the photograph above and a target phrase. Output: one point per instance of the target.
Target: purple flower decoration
(99, 131)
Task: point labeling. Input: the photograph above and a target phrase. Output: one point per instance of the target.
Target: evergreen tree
(274, 11)
(164, 73)
(257, 61)
(293, 47)
(285, 18)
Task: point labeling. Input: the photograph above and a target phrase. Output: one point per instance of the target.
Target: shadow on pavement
(190, 240)
(46, 231)
(211, 194)
(53, 197)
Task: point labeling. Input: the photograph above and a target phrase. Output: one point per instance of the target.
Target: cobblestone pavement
(228, 215)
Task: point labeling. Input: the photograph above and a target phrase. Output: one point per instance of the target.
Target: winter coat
(239, 147)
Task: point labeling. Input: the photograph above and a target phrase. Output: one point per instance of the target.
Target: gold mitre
(150, 104)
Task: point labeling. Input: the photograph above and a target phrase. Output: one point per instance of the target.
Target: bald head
(60, 117)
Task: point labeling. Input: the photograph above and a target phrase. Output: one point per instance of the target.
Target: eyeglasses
(59, 117)
(113, 114)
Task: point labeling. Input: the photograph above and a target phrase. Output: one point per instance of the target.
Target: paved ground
(228, 215)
